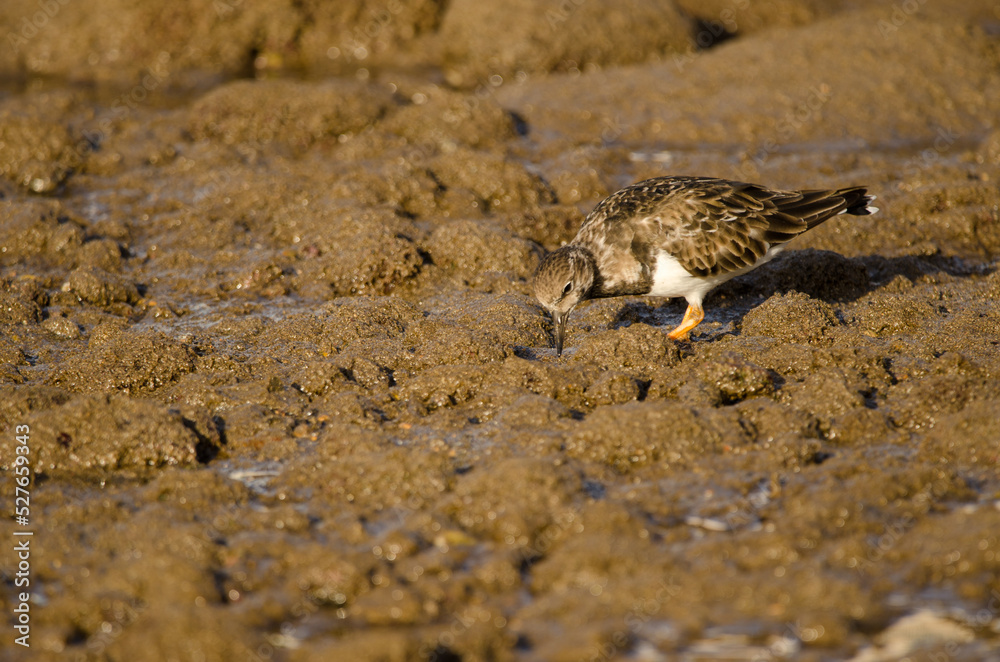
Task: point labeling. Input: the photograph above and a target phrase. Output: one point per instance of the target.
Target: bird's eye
(569, 286)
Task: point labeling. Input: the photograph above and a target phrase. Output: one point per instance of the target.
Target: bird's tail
(814, 206)
(859, 203)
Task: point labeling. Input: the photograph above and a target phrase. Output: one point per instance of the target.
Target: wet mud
(265, 306)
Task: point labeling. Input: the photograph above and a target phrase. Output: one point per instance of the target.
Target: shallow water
(290, 396)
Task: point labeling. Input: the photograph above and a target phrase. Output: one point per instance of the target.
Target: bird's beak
(559, 329)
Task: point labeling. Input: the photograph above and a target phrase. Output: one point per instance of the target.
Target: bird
(680, 236)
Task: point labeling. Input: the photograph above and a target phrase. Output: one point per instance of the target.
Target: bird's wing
(711, 226)
(715, 226)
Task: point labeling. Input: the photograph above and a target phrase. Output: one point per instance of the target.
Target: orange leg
(692, 318)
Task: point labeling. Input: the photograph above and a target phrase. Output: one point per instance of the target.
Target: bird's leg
(692, 318)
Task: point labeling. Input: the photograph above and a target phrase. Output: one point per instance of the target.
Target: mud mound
(719, 20)
(16, 308)
(133, 362)
(637, 435)
(636, 348)
(367, 479)
(515, 319)
(349, 319)
(111, 433)
(347, 250)
(765, 127)
(476, 252)
(484, 40)
(488, 504)
(100, 288)
(793, 317)
(37, 232)
(295, 114)
(19, 402)
(444, 119)
(37, 155)
(234, 38)
(495, 183)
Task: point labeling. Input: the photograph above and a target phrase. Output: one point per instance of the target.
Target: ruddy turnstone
(680, 237)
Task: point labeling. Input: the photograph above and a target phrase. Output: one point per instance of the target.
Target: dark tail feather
(859, 203)
(816, 206)
(812, 207)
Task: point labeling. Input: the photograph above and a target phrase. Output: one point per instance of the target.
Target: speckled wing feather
(712, 226)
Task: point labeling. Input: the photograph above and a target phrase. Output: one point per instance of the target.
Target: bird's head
(564, 279)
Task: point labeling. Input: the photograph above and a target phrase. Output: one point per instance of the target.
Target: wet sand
(265, 306)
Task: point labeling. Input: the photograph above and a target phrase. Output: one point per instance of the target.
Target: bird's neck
(607, 286)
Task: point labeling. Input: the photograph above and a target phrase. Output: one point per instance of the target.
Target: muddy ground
(265, 306)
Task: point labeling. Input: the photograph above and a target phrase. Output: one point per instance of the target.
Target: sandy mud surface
(265, 308)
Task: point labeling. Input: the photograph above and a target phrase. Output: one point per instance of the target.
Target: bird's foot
(692, 318)
(679, 335)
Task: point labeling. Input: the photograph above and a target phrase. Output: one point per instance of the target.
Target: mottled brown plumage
(681, 236)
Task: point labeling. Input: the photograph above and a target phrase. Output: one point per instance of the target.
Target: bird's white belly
(670, 279)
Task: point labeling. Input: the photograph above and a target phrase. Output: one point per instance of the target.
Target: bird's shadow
(820, 274)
